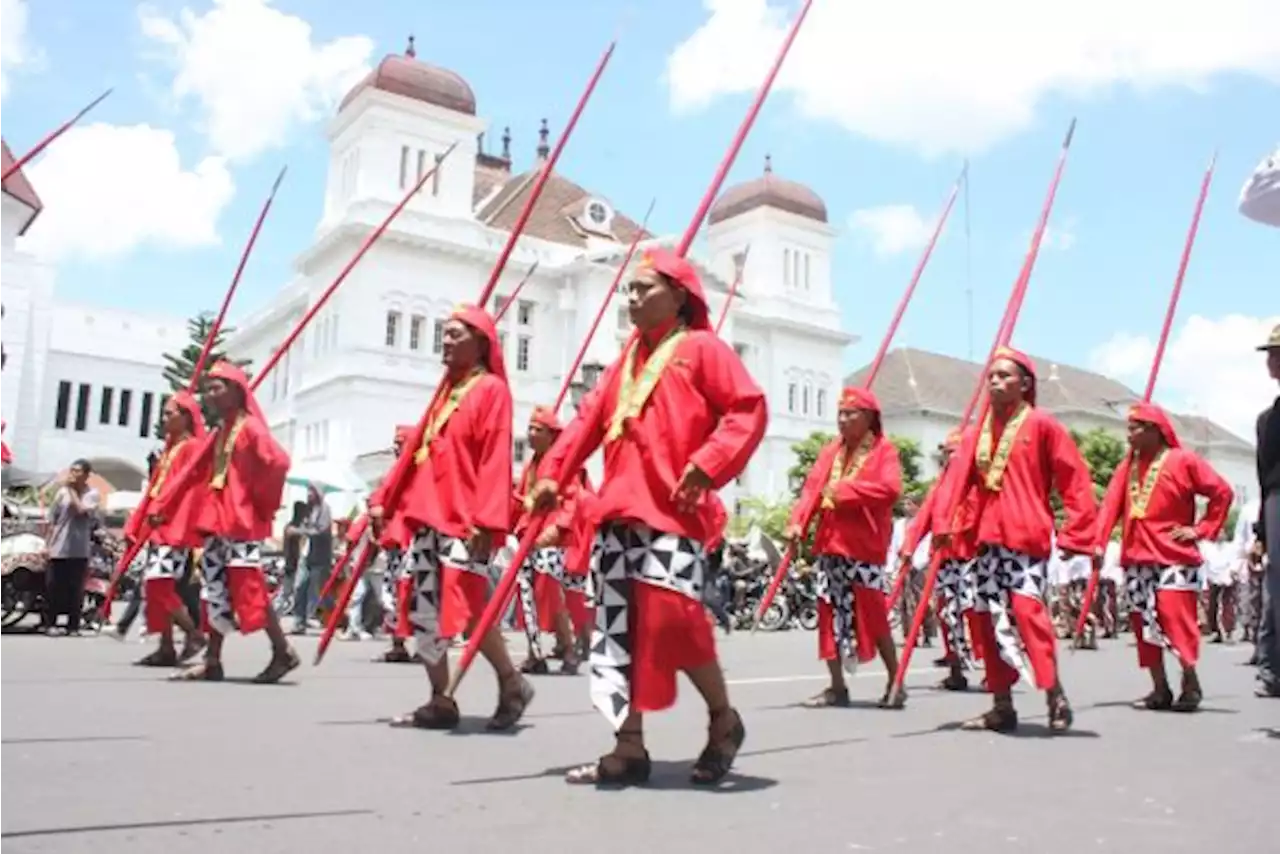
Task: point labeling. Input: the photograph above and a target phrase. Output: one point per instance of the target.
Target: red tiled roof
(554, 217)
(20, 188)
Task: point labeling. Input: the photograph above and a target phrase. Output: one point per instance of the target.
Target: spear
(42, 144)
(1092, 589)
(140, 512)
(502, 594)
(789, 555)
(733, 289)
(398, 477)
(1003, 336)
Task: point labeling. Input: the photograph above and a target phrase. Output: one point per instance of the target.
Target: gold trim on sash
(634, 392)
(444, 411)
(223, 448)
(854, 463)
(526, 485)
(164, 464)
(992, 466)
(1140, 490)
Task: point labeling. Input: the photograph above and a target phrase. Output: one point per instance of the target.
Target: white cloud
(15, 50)
(109, 189)
(892, 229)
(1061, 237)
(255, 71)
(943, 76)
(1210, 368)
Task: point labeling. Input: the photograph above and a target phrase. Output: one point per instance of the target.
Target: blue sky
(870, 113)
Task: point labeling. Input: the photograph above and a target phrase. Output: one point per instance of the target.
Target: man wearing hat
(1268, 529)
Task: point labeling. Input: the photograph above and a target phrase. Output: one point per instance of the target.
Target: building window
(804, 404)
(786, 268)
(499, 303)
(518, 451)
(524, 313)
(104, 407)
(806, 271)
(82, 406)
(416, 324)
(437, 337)
(795, 269)
(422, 165)
(126, 403)
(404, 167)
(822, 403)
(64, 405)
(522, 353)
(392, 338)
(791, 397)
(435, 176)
(144, 423)
(741, 350)
(502, 342)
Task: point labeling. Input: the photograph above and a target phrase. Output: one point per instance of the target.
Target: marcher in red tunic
(458, 507)
(854, 483)
(678, 415)
(578, 561)
(1017, 455)
(541, 579)
(397, 578)
(237, 481)
(170, 547)
(1153, 496)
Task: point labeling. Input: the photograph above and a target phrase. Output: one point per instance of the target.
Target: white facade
(370, 359)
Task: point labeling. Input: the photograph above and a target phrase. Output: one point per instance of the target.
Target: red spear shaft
(1004, 335)
(789, 555)
(42, 144)
(733, 290)
(398, 477)
(140, 512)
(502, 594)
(1091, 590)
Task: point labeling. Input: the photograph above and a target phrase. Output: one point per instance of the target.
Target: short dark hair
(84, 464)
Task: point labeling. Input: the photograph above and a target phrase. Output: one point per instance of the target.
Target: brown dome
(409, 78)
(768, 191)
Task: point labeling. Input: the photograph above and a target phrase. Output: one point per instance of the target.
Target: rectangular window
(82, 406)
(519, 450)
(437, 337)
(804, 401)
(416, 325)
(522, 353)
(422, 165)
(791, 397)
(392, 337)
(144, 423)
(64, 405)
(404, 167)
(126, 403)
(524, 313)
(786, 267)
(806, 271)
(435, 176)
(104, 407)
(822, 403)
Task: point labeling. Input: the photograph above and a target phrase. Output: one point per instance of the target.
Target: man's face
(221, 394)
(397, 447)
(1144, 436)
(540, 438)
(1005, 383)
(175, 418)
(78, 475)
(463, 346)
(651, 301)
(1273, 363)
(854, 423)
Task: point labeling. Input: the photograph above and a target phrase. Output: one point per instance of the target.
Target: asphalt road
(101, 756)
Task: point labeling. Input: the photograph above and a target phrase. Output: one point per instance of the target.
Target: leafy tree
(771, 516)
(806, 452)
(910, 457)
(1103, 451)
(181, 366)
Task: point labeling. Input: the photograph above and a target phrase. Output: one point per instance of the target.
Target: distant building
(924, 394)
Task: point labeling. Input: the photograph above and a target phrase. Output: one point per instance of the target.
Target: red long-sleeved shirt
(179, 527)
(1183, 477)
(705, 410)
(860, 527)
(1019, 516)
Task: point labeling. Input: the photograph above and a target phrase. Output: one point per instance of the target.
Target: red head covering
(234, 374)
(1149, 413)
(859, 398)
(482, 322)
(684, 276)
(1022, 360)
(191, 406)
(404, 432)
(544, 416)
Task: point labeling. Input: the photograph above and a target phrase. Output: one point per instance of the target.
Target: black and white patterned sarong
(1142, 581)
(396, 562)
(633, 553)
(548, 561)
(220, 554)
(836, 579)
(956, 589)
(1000, 574)
(431, 550)
(166, 562)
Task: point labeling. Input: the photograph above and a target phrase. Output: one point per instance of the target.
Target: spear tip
(1071, 132)
(279, 179)
(648, 212)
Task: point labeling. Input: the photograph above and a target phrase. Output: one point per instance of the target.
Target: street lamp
(577, 391)
(591, 372)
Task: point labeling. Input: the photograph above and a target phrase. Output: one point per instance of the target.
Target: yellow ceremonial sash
(444, 412)
(164, 464)
(1140, 489)
(226, 443)
(526, 484)
(633, 392)
(992, 465)
(854, 463)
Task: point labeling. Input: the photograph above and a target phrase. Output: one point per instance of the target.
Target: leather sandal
(278, 668)
(1002, 719)
(1060, 715)
(716, 759)
(440, 714)
(614, 769)
(515, 698)
(1156, 701)
(828, 698)
(205, 671)
(158, 658)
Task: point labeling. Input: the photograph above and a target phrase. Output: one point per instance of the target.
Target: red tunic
(1182, 477)
(860, 526)
(1018, 515)
(705, 410)
(578, 537)
(458, 489)
(178, 528)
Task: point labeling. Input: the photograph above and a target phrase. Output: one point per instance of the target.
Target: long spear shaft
(1091, 591)
(59, 131)
(1003, 337)
(733, 289)
(502, 594)
(788, 556)
(398, 477)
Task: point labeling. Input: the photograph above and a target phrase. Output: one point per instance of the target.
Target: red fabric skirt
(404, 598)
(1039, 643)
(463, 596)
(250, 601)
(161, 600)
(1176, 611)
(669, 633)
(871, 623)
(548, 599)
(580, 613)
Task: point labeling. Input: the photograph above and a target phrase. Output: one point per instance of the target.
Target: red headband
(482, 322)
(1023, 361)
(543, 416)
(685, 277)
(859, 398)
(1149, 413)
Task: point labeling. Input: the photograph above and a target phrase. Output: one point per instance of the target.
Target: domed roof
(768, 191)
(410, 78)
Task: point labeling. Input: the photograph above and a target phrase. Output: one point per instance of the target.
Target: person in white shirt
(1219, 599)
(1260, 197)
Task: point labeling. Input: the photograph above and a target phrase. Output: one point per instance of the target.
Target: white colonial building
(371, 358)
(923, 395)
(77, 381)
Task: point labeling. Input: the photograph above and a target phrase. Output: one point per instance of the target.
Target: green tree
(806, 452)
(909, 459)
(1103, 451)
(771, 516)
(181, 366)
